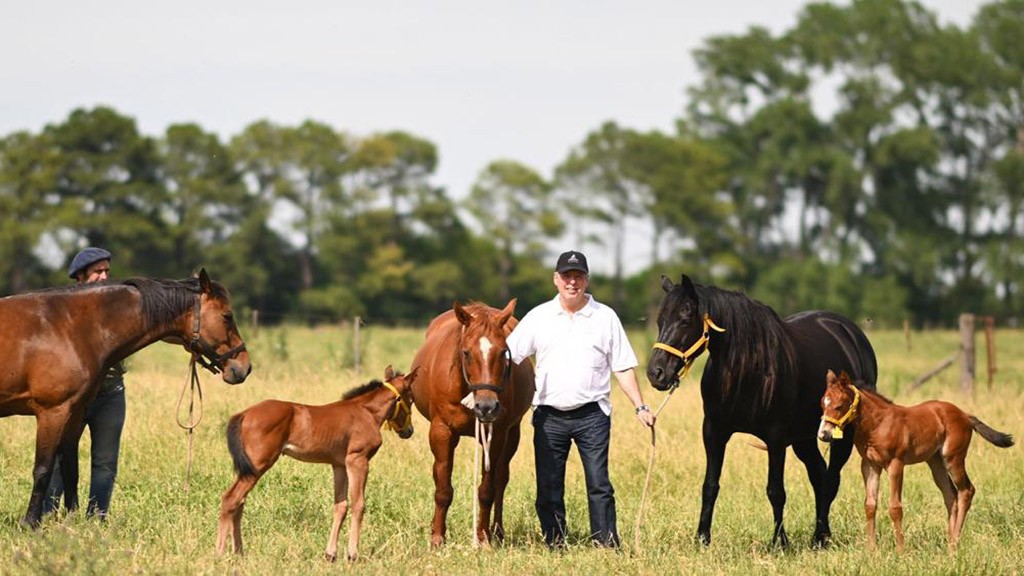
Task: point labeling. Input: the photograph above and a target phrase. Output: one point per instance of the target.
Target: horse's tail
(1001, 439)
(243, 466)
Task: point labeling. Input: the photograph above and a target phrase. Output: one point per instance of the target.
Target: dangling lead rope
(192, 382)
(650, 468)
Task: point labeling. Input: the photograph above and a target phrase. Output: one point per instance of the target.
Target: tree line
(869, 160)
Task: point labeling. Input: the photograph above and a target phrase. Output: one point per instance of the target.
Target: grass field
(157, 526)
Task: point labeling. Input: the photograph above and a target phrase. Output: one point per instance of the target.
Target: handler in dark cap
(105, 414)
(578, 343)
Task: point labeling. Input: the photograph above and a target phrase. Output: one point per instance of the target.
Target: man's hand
(644, 414)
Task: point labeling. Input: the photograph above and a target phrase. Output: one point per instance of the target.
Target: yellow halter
(694, 351)
(837, 432)
(400, 409)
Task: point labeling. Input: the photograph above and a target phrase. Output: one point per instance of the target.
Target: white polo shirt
(575, 353)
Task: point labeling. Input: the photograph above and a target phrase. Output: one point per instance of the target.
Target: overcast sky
(523, 80)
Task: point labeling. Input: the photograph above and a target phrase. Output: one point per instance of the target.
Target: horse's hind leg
(807, 452)
(232, 504)
(964, 494)
(714, 451)
(941, 479)
(340, 510)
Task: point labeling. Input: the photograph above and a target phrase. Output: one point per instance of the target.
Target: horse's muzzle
(235, 372)
(487, 410)
(405, 433)
(660, 379)
(825, 432)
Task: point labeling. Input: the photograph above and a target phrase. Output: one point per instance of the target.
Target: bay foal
(344, 434)
(889, 437)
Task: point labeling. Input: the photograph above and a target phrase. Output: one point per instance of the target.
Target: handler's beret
(85, 258)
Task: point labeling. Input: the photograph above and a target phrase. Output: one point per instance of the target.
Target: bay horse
(344, 434)
(465, 361)
(889, 437)
(56, 345)
(763, 377)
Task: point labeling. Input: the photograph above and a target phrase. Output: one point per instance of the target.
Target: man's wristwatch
(642, 408)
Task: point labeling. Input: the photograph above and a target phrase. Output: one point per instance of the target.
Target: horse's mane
(755, 349)
(873, 393)
(163, 300)
(362, 389)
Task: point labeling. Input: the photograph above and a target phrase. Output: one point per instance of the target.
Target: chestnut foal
(344, 434)
(889, 436)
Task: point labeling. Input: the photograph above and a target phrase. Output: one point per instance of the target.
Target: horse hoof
(332, 558)
(27, 523)
(704, 538)
(821, 541)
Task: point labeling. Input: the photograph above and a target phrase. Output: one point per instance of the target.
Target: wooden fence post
(906, 332)
(255, 323)
(990, 348)
(967, 353)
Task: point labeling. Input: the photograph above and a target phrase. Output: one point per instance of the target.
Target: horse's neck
(378, 402)
(873, 410)
(120, 321)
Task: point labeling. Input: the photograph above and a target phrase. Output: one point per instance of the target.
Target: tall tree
(512, 204)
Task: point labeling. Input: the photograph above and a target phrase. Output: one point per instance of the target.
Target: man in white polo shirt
(578, 343)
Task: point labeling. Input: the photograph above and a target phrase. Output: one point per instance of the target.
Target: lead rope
(192, 383)
(650, 468)
(483, 442)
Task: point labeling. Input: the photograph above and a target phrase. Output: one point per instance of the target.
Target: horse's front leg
(896, 501)
(50, 427)
(501, 477)
(69, 462)
(777, 489)
(817, 473)
(714, 451)
(442, 443)
(340, 509)
(871, 475)
(358, 470)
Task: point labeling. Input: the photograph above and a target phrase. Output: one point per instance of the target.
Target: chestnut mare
(344, 434)
(465, 354)
(56, 344)
(889, 437)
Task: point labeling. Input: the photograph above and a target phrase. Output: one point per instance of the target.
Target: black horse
(764, 376)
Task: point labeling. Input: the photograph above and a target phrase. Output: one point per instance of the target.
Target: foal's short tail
(243, 466)
(1001, 439)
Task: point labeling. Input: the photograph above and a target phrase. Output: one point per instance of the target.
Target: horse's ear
(831, 378)
(389, 373)
(464, 317)
(688, 288)
(844, 378)
(204, 280)
(666, 284)
(506, 312)
(412, 374)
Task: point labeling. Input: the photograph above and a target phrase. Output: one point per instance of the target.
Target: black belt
(578, 412)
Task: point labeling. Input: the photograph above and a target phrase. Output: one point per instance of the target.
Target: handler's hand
(646, 417)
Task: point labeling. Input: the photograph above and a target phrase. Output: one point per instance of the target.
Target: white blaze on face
(827, 401)
(485, 350)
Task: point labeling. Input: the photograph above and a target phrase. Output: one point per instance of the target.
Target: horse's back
(826, 341)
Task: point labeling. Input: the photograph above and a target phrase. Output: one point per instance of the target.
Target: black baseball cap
(572, 260)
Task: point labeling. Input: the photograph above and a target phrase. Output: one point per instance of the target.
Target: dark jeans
(105, 419)
(554, 432)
